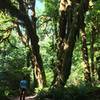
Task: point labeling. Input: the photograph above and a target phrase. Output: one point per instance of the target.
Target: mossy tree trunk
(93, 68)
(36, 57)
(87, 72)
(31, 32)
(86, 66)
(69, 25)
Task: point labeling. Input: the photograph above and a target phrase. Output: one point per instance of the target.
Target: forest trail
(26, 98)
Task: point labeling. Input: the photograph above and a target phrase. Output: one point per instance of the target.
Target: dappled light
(49, 50)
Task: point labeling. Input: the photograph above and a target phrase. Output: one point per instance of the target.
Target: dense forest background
(55, 44)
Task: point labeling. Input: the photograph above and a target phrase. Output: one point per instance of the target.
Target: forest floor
(94, 95)
(26, 98)
(91, 95)
(31, 97)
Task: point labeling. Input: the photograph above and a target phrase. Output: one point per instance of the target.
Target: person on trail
(23, 88)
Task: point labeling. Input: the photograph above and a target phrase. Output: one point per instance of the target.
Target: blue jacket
(23, 84)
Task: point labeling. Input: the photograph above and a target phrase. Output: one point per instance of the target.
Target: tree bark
(92, 52)
(36, 57)
(87, 73)
(86, 66)
(31, 30)
(68, 26)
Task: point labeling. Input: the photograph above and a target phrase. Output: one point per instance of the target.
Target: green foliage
(92, 27)
(69, 93)
(12, 68)
(51, 7)
(13, 60)
(77, 76)
(93, 17)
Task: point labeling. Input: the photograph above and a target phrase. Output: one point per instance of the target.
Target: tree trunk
(70, 25)
(67, 36)
(87, 73)
(92, 52)
(86, 66)
(38, 69)
(36, 59)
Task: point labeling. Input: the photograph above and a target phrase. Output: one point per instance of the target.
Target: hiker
(23, 88)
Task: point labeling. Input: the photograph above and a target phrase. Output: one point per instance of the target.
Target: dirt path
(26, 98)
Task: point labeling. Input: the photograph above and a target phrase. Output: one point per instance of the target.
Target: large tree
(31, 32)
(71, 21)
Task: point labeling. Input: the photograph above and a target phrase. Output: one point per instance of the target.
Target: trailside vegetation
(55, 46)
